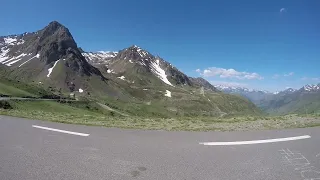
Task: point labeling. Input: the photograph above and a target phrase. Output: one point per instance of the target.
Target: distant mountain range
(303, 100)
(253, 95)
(50, 58)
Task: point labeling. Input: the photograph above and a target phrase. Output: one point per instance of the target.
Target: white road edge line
(255, 141)
(62, 131)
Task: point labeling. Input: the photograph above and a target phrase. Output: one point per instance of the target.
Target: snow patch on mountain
(36, 56)
(311, 87)
(13, 60)
(13, 41)
(289, 90)
(142, 63)
(51, 69)
(237, 89)
(3, 54)
(140, 51)
(109, 71)
(168, 93)
(99, 57)
(5, 49)
(161, 74)
(9, 40)
(20, 42)
(122, 77)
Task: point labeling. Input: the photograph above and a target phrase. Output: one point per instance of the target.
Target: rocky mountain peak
(54, 25)
(55, 42)
(311, 87)
(289, 90)
(200, 82)
(137, 60)
(134, 53)
(36, 55)
(55, 28)
(134, 47)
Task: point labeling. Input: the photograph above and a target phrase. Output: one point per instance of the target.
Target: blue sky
(249, 43)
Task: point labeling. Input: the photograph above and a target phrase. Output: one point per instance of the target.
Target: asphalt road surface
(37, 150)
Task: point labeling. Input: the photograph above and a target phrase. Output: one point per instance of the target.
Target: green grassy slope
(9, 86)
(89, 113)
(150, 101)
(19, 89)
(147, 101)
(80, 112)
(304, 103)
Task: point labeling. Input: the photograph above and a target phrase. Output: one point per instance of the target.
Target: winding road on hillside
(38, 150)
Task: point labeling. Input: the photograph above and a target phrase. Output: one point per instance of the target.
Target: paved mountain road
(38, 150)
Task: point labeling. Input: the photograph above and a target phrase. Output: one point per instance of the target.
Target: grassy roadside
(89, 113)
(13, 88)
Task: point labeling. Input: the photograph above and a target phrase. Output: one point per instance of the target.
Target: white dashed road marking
(61, 131)
(255, 141)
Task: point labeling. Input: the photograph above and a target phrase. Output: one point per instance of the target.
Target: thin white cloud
(283, 10)
(276, 76)
(310, 79)
(289, 74)
(198, 70)
(229, 73)
(229, 84)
